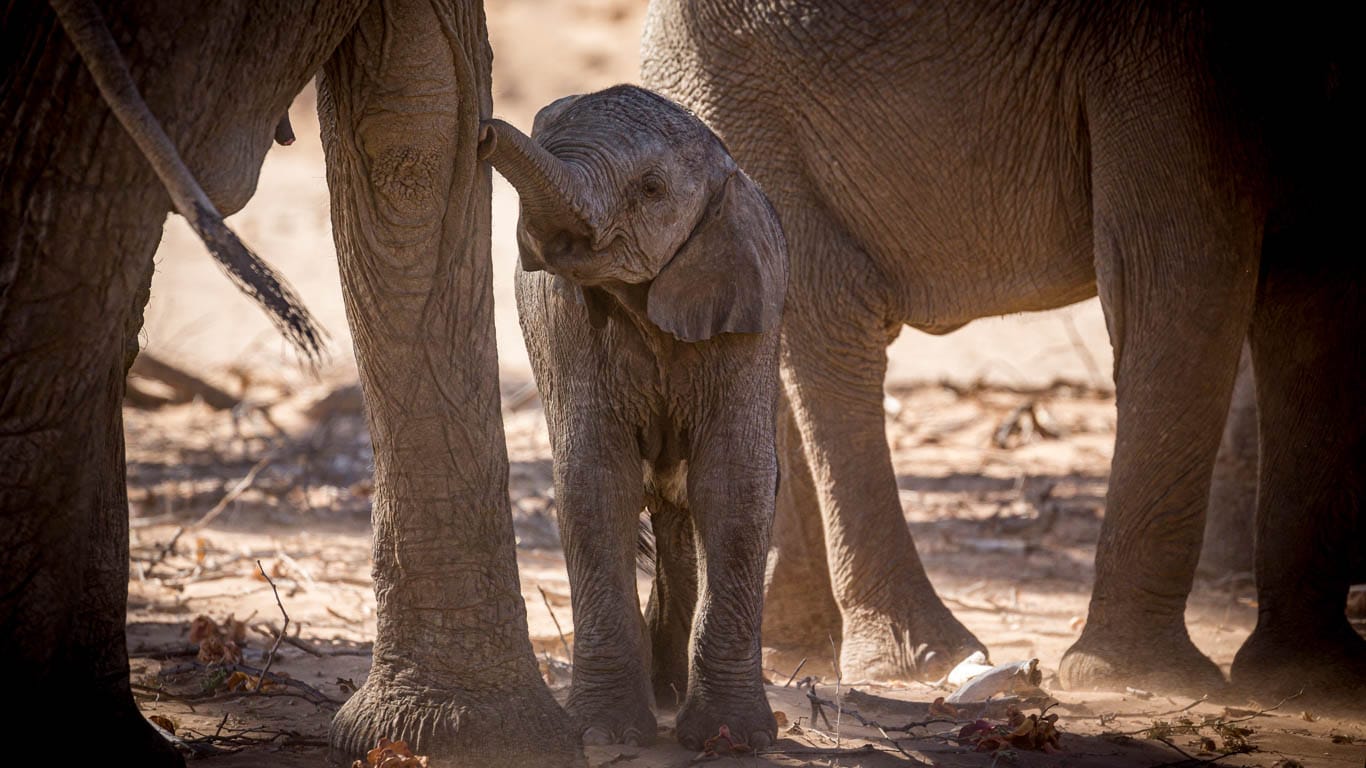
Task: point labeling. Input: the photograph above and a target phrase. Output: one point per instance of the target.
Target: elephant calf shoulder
(651, 287)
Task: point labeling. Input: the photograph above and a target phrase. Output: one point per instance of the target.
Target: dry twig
(568, 655)
(228, 498)
(270, 658)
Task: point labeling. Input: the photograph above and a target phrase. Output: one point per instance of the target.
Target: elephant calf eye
(652, 187)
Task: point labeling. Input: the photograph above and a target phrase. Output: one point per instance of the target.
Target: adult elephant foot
(747, 720)
(1115, 656)
(512, 725)
(1327, 666)
(919, 640)
(119, 729)
(610, 718)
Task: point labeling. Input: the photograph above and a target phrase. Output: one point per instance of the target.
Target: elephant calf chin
(652, 281)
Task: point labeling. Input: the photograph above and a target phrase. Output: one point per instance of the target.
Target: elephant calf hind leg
(1308, 337)
(673, 599)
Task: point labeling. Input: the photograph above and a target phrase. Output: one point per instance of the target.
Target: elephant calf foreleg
(599, 493)
(731, 492)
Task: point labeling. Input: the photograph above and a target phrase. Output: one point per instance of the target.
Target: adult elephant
(404, 84)
(936, 162)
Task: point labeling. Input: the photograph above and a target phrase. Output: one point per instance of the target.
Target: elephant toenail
(596, 737)
(631, 737)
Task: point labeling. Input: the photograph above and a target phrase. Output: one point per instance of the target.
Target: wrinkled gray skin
(1230, 523)
(650, 292)
(404, 85)
(936, 162)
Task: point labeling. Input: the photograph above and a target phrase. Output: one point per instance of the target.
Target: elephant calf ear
(731, 274)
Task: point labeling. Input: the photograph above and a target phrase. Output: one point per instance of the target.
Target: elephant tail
(86, 28)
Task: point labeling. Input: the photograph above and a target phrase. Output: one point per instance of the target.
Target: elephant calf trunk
(543, 181)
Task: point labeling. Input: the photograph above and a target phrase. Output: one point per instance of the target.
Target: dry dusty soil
(1008, 534)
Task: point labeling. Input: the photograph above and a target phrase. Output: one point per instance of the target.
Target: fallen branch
(1213, 722)
(266, 630)
(288, 682)
(199, 698)
(817, 703)
(866, 749)
(186, 385)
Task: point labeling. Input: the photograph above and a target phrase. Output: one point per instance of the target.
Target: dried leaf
(780, 717)
(392, 754)
(203, 627)
(163, 722)
(723, 743)
(939, 708)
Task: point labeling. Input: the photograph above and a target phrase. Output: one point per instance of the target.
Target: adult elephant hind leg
(1229, 526)
(1308, 339)
(834, 362)
(453, 673)
(801, 618)
(63, 497)
(1176, 252)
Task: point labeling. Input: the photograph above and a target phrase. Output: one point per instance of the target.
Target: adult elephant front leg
(400, 103)
(1176, 247)
(834, 361)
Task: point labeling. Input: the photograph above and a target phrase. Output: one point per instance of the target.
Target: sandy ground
(1007, 534)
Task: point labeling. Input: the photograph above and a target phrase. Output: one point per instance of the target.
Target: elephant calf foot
(913, 643)
(608, 715)
(748, 719)
(1112, 656)
(1327, 666)
(516, 723)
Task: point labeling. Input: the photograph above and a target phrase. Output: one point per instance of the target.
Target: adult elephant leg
(1308, 337)
(80, 217)
(1176, 253)
(64, 351)
(1230, 523)
(673, 599)
(453, 674)
(834, 361)
(801, 618)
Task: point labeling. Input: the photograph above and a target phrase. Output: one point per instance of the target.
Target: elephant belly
(965, 207)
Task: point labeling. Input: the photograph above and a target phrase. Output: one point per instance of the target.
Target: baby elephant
(651, 286)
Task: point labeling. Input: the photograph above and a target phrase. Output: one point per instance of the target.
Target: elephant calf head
(624, 187)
